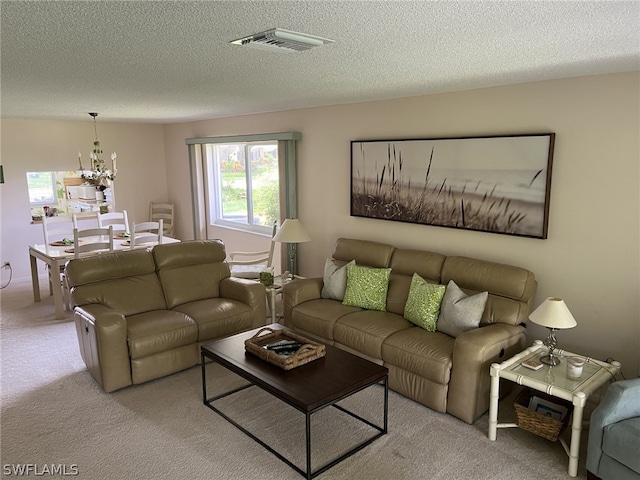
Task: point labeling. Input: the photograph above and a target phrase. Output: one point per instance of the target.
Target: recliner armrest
(473, 353)
(297, 292)
(249, 292)
(112, 355)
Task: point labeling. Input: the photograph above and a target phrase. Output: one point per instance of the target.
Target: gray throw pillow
(334, 281)
(460, 312)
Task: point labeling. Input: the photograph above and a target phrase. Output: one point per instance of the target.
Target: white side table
(553, 381)
(272, 292)
(276, 289)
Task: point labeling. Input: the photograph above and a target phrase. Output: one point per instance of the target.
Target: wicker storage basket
(542, 425)
(308, 352)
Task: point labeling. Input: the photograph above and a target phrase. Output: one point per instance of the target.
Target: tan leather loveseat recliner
(143, 314)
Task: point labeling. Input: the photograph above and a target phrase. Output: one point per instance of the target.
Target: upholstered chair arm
(297, 292)
(105, 340)
(249, 292)
(473, 353)
(622, 401)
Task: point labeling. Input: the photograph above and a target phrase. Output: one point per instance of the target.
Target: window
(42, 188)
(260, 191)
(243, 184)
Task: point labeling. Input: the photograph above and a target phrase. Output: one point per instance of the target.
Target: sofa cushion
(423, 305)
(191, 271)
(511, 289)
(318, 317)
(218, 317)
(367, 287)
(123, 281)
(426, 354)
(334, 280)
(364, 331)
(460, 312)
(621, 441)
(364, 252)
(158, 331)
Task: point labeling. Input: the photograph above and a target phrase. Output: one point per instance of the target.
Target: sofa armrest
(297, 292)
(473, 353)
(106, 338)
(250, 293)
(621, 401)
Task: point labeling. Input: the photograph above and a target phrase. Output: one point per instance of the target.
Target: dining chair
(119, 221)
(254, 262)
(147, 232)
(92, 239)
(58, 231)
(164, 212)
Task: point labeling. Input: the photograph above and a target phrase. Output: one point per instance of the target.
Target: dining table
(56, 255)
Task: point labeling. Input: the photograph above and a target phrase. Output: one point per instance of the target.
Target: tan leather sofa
(444, 373)
(143, 314)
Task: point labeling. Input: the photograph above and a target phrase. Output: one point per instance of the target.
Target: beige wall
(40, 145)
(591, 257)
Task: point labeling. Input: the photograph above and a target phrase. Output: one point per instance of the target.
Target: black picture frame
(498, 184)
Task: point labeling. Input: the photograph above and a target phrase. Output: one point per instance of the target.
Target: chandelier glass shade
(99, 172)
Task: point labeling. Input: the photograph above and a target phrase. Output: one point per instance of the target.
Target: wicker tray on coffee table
(308, 352)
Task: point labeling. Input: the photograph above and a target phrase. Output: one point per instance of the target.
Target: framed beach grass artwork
(497, 184)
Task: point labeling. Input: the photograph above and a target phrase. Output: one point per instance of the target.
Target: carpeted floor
(54, 414)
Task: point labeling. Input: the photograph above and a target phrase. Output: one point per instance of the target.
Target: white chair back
(92, 239)
(147, 232)
(119, 220)
(254, 262)
(164, 212)
(55, 229)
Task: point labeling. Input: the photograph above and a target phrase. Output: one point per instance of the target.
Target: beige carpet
(53, 413)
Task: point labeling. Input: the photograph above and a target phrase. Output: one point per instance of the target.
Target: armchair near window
(614, 434)
(249, 264)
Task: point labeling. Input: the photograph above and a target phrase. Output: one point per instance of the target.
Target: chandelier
(99, 174)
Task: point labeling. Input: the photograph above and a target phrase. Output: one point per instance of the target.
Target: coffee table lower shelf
(308, 473)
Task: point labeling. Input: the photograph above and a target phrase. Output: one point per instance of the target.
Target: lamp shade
(553, 313)
(292, 231)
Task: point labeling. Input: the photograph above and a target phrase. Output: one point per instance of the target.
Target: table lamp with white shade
(292, 232)
(553, 314)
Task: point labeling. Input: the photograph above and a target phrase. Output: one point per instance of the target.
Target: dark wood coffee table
(308, 388)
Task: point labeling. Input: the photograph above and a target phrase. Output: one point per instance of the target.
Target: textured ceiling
(166, 61)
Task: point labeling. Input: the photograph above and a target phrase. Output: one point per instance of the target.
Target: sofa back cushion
(364, 252)
(191, 270)
(404, 263)
(511, 289)
(124, 281)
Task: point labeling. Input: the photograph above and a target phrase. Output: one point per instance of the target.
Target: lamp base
(550, 360)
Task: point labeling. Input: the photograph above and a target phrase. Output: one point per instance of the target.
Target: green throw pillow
(423, 305)
(367, 287)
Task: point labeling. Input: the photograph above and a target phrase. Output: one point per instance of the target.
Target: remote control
(284, 348)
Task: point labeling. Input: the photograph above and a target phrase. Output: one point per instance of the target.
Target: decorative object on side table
(553, 314)
(292, 232)
(266, 276)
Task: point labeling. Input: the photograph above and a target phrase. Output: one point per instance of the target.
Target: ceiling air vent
(277, 39)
